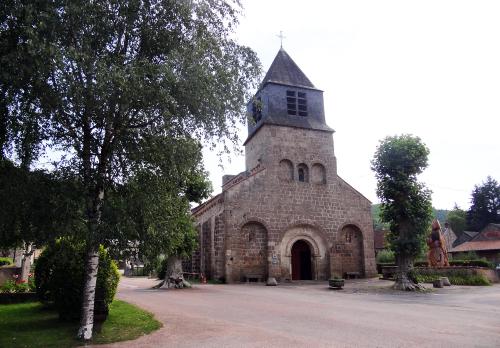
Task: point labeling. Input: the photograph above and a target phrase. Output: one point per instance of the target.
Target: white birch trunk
(87, 316)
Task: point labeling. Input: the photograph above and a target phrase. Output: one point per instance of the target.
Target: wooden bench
(352, 275)
(255, 277)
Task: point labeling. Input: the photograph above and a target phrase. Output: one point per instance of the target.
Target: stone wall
(281, 203)
(208, 258)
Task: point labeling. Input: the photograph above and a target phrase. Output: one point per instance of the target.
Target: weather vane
(281, 36)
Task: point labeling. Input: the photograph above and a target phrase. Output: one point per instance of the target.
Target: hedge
(455, 276)
(60, 274)
(464, 263)
(6, 261)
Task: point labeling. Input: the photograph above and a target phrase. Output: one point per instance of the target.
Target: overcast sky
(428, 68)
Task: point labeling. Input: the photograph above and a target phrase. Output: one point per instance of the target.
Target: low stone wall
(6, 273)
(490, 274)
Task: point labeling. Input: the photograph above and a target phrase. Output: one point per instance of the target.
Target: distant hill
(439, 214)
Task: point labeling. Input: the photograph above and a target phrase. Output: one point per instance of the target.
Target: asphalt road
(365, 314)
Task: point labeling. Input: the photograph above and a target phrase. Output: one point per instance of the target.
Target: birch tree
(109, 79)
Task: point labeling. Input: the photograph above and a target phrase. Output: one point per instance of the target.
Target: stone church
(288, 215)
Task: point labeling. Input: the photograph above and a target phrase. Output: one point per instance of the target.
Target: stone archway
(315, 242)
(301, 261)
(350, 245)
(252, 252)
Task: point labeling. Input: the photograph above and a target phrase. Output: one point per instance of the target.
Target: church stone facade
(288, 215)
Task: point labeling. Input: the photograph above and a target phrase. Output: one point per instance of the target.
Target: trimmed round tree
(406, 203)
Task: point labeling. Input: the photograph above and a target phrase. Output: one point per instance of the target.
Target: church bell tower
(287, 98)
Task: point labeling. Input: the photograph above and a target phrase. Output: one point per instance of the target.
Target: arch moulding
(349, 223)
(313, 236)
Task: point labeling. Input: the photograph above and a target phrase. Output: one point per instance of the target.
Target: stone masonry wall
(325, 206)
(209, 257)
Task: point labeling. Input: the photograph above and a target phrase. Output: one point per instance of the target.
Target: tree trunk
(87, 316)
(91, 268)
(26, 262)
(173, 274)
(404, 281)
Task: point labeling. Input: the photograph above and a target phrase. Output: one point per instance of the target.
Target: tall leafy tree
(485, 205)
(406, 203)
(457, 220)
(150, 213)
(35, 207)
(107, 81)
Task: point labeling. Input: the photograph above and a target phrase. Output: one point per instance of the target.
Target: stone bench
(255, 277)
(389, 272)
(352, 275)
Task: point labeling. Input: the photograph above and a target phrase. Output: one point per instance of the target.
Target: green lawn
(33, 325)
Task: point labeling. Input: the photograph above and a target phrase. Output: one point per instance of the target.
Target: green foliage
(36, 206)
(485, 207)
(8, 287)
(36, 326)
(473, 262)
(6, 261)
(406, 204)
(456, 277)
(457, 220)
(161, 269)
(59, 275)
(440, 215)
(377, 223)
(153, 208)
(11, 286)
(470, 255)
(385, 256)
(110, 84)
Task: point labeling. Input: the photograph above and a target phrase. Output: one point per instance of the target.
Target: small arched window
(318, 174)
(303, 173)
(286, 170)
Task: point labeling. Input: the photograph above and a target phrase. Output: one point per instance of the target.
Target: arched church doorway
(301, 261)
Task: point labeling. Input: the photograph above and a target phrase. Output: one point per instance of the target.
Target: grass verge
(33, 325)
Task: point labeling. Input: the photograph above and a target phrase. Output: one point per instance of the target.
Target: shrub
(161, 269)
(465, 263)
(471, 255)
(456, 277)
(8, 287)
(476, 263)
(59, 276)
(386, 256)
(12, 287)
(6, 261)
(420, 264)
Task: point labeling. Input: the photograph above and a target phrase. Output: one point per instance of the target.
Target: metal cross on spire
(281, 36)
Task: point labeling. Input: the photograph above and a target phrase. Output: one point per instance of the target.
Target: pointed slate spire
(284, 71)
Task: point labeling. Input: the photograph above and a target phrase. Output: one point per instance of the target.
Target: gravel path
(308, 314)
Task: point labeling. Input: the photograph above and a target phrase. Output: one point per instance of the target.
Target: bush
(465, 263)
(469, 263)
(13, 287)
(386, 256)
(6, 261)
(456, 277)
(471, 255)
(161, 269)
(420, 264)
(59, 276)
